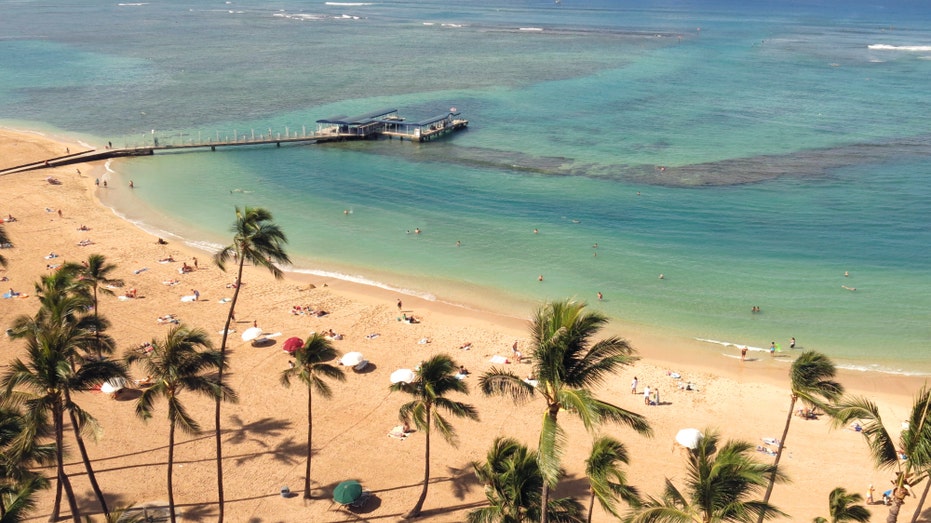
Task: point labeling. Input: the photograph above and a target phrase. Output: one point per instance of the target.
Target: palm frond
(864, 411)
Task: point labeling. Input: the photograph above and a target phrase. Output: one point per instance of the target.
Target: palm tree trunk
(171, 461)
(782, 442)
(893, 516)
(310, 431)
(426, 469)
(96, 329)
(591, 507)
(545, 491)
(56, 506)
(219, 441)
(921, 501)
(86, 459)
(62, 477)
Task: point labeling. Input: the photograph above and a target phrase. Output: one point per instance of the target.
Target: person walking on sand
(399, 305)
(656, 396)
(646, 395)
(633, 385)
(772, 349)
(743, 353)
(196, 294)
(792, 342)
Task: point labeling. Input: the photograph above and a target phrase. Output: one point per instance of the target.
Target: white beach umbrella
(689, 438)
(113, 385)
(251, 333)
(402, 376)
(351, 359)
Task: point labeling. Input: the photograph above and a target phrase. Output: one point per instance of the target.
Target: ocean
(752, 155)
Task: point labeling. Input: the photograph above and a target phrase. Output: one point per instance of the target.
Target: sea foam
(910, 48)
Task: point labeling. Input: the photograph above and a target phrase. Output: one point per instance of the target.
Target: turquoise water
(750, 156)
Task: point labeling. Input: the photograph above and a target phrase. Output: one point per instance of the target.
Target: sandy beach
(266, 430)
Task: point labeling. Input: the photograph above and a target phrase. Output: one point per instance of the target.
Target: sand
(265, 433)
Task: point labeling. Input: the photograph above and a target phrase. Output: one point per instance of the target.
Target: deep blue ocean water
(750, 154)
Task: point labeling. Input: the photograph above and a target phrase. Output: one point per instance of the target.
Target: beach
(265, 432)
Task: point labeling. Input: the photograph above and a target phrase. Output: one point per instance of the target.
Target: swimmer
(540, 278)
(846, 274)
(661, 276)
(536, 231)
(131, 184)
(849, 288)
(600, 296)
(417, 230)
(458, 243)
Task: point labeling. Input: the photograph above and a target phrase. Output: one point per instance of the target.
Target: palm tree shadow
(573, 486)
(127, 394)
(463, 480)
(287, 452)
(257, 432)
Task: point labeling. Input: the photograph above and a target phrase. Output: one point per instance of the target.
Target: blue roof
(355, 120)
(435, 119)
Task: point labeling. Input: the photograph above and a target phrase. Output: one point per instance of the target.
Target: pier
(381, 124)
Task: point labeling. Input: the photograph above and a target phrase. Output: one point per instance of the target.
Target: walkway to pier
(378, 124)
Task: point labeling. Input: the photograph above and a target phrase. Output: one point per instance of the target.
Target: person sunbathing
(167, 260)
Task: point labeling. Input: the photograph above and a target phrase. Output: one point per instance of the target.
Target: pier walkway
(378, 124)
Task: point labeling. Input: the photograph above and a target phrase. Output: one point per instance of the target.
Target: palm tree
(434, 379)
(844, 507)
(914, 442)
(567, 364)
(812, 381)
(54, 339)
(177, 364)
(95, 273)
(20, 448)
(64, 298)
(259, 241)
(606, 479)
(21, 502)
(311, 368)
(718, 487)
(512, 479)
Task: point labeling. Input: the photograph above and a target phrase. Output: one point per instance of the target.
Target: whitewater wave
(350, 4)
(732, 344)
(873, 367)
(909, 48)
(363, 281)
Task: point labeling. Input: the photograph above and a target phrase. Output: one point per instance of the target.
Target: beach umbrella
(347, 492)
(113, 385)
(292, 344)
(251, 333)
(689, 438)
(402, 376)
(351, 359)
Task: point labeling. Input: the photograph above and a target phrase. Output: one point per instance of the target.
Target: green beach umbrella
(347, 492)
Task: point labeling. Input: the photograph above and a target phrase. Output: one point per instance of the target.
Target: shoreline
(747, 400)
(154, 222)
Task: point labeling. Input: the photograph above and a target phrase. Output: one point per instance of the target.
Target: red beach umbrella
(292, 344)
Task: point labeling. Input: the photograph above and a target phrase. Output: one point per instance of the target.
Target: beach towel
(372, 336)
(499, 360)
(188, 298)
(140, 271)
(397, 433)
